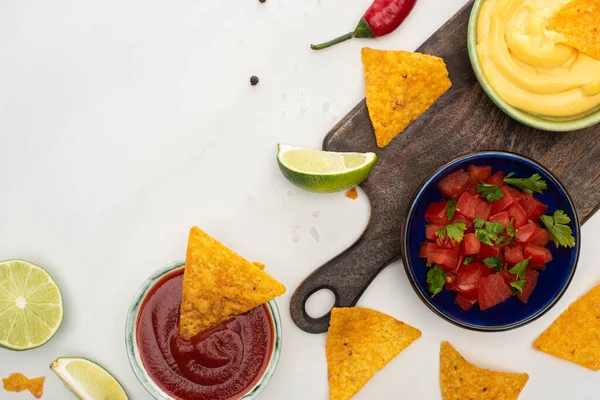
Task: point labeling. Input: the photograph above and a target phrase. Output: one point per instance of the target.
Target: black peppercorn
(254, 80)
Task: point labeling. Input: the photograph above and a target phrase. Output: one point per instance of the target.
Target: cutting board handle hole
(320, 303)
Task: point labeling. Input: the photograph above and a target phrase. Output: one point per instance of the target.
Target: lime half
(87, 380)
(31, 306)
(323, 171)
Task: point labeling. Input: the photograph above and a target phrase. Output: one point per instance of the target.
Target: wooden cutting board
(462, 121)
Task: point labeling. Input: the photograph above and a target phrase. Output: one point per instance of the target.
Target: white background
(123, 123)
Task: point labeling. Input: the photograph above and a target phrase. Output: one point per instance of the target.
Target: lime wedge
(31, 305)
(323, 171)
(87, 380)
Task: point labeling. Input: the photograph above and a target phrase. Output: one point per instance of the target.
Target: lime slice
(87, 380)
(323, 171)
(31, 306)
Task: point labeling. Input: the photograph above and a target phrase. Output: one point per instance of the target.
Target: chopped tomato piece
(496, 179)
(539, 255)
(489, 251)
(483, 209)
(515, 194)
(513, 255)
(501, 218)
(516, 211)
(531, 276)
(505, 202)
(447, 259)
(426, 247)
(471, 189)
(465, 301)
(479, 174)
(493, 290)
(468, 278)
(447, 243)
(436, 214)
(541, 237)
(464, 219)
(533, 234)
(471, 206)
(454, 184)
(470, 244)
(431, 229)
(507, 276)
(533, 207)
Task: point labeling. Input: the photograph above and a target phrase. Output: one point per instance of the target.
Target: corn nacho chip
(36, 386)
(15, 383)
(219, 284)
(575, 335)
(259, 265)
(462, 380)
(579, 22)
(360, 342)
(400, 86)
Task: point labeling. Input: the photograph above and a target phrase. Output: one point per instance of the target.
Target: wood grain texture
(462, 121)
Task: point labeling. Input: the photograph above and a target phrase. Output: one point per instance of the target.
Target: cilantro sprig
(454, 231)
(468, 260)
(560, 232)
(490, 192)
(493, 263)
(518, 285)
(534, 183)
(451, 208)
(487, 232)
(436, 279)
(519, 270)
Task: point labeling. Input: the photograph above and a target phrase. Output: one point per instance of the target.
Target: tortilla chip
(360, 343)
(36, 386)
(579, 22)
(259, 265)
(219, 284)
(400, 87)
(462, 380)
(575, 335)
(15, 383)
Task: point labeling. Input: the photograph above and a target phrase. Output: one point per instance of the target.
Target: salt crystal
(296, 67)
(284, 113)
(250, 196)
(325, 107)
(300, 94)
(296, 238)
(284, 95)
(316, 213)
(290, 193)
(293, 231)
(303, 109)
(315, 234)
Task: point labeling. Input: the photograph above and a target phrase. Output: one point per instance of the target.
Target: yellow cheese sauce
(531, 67)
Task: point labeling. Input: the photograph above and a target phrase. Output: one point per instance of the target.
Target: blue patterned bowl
(552, 283)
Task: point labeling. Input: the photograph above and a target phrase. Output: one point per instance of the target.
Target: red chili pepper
(383, 17)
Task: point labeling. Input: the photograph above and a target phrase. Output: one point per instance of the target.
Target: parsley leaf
(493, 263)
(436, 279)
(560, 232)
(534, 183)
(510, 229)
(490, 192)
(451, 208)
(518, 285)
(487, 232)
(468, 260)
(455, 231)
(520, 268)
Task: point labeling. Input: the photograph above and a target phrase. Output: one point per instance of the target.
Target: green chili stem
(325, 45)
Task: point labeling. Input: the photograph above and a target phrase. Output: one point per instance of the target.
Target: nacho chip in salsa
(574, 335)
(462, 380)
(360, 342)
(219, 284)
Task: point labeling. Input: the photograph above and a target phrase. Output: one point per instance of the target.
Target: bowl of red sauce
(233, 360)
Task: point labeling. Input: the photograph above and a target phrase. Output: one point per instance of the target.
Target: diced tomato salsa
(502, 246)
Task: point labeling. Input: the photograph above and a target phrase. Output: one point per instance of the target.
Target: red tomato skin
(493, 290)
(533, 207)
(515, 194)
(470, 244)
(489, 251)
(430, 231)
(466, 206)
(531, 276)
(501, 218)
(483, 209)
(524, 233)
(426, 247)
(507, 276)
(479, 174)
(541, 237)
(539, 255)
(504, 203)
(465, 301)
(467, 280)
(447, 259)
(520, 217)
(469, 224)
(436, 213)
(454, 184)
(472, 190)
(513, 255)
(496, 179)
(446, 243)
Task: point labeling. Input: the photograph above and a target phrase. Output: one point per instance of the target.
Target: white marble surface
(124, 123)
